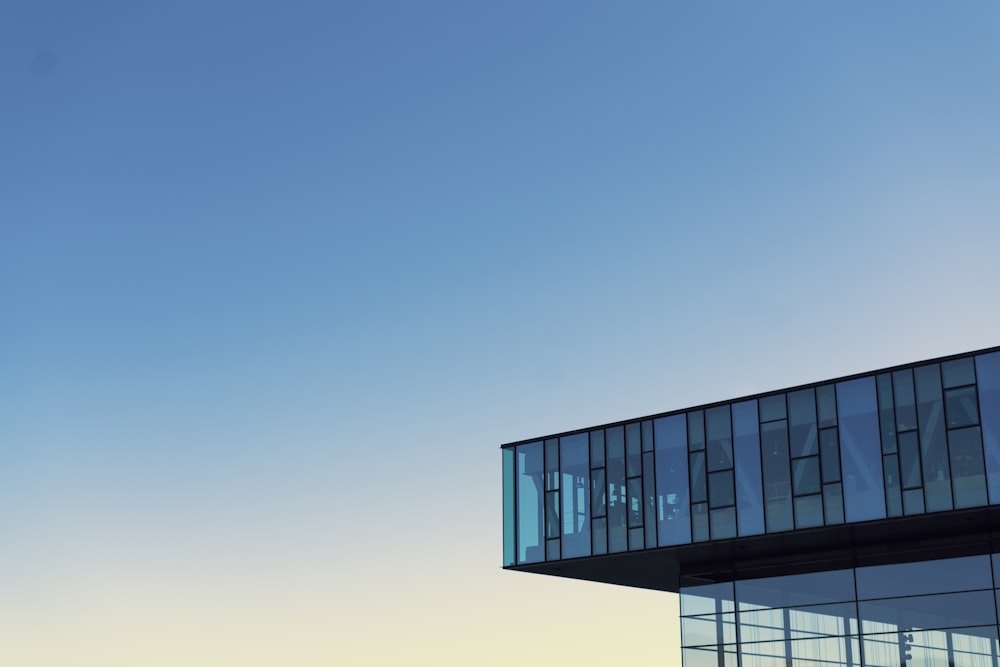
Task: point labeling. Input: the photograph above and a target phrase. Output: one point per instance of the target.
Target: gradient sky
(277, 279)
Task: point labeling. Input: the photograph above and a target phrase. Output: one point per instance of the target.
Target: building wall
(910, 440)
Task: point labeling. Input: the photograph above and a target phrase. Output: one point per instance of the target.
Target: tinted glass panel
(860, 450)
(830, 454)
(599, 528)
(933, 447)
(509, 522)
(893, 489)
(696, 430)
(575, 483)
(705, 630)
(925, 577)
(833, 504)
(802, 422)
(967, 470)
(961, 407)
(772, 408)
(530, 545)
(913, 501)
(647, 436)
(720, 489)
(709, 598)
(649, 513)
(635, 502)
(598, 493)
(826, 404)
(551, 465)
(597, 449)
(905, 403)
(777, 476)
(957, 373)
(886, 413)
(633, 450)
(809, 511)
(552, 514)
(672, 505)
(699, 483)
(552, 550)
(699, 522)
(720, 438)
(614, 439)
(796, 589)
(988, 373)
(723, 523)
(909, 460)
(746, 445)
(805, 476)
(928, 611)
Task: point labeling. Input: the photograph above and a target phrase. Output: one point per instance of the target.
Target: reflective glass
(696, 430)
(597, 449)
(599, 528)
(718, 433)
(551, 464)
(708, 630)
(634, 502)
(860, 450)
(893, 489)
(746, 451)
(552, 549)
(905, 404)
(809, 511)
(988, 374)
(829, 448)
(968, 473)
(649, 514)
(699, 522)
(805, 476)
(958, 372)
(633, 450)
(909, 460)
(796, 590)
(772, 408)
(598, 493)
(575, 483)
(552, 527)
(777, 476)
(635, 539)
(720, 489)
(723, 523)
(672, 504)
(647, 435)
(913, 502)
(833, 504)
(614, 440)
(530, 546)
(708, 598)
(826, 404)
(924, 577)
(709, 657)
(928, 612)
(802, 423)
(699, 484)
(933, 447)
(886, 413)
(774, 624)
(961, 407)
(509, 522)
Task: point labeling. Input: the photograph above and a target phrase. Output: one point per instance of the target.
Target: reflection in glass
(829, 449)
(599, 527)
(893, 489)
(614, 440)
(958, 373)
(672, 504)
(597, 449)
(988, 373)
(598, 493)
(933, 447)
(509, 522)
(961, 407)
(886, 413)
(575, 484)
(913, 502)
(777, 476)
(809, 511)
(530, 547)
(699, 485)
(805, 476)
(967, 470)
(720, 488)
(696, 430)
(649, 492)
(928, 612)
(802, 422)
(633, 450)
(772, 408)
(833, 504)
(551, 464)
(699, 522)
(796, 589)
(746, 446)
(860, 450)
(723, 523)
(905, 403)
(967, 573)
(720, 438)
(826, 403)
(707, 598)
(706, 630)
(909, 460)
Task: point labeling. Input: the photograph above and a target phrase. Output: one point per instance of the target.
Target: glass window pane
(905, 404)
(933, 446)
(598, 493)
(634, 502)
(961, 407)
(720, 438)
(723, 523)
(720, 489)
(749, 487)
(796, 589)
(672, 504)
(926, 612)
(552, 549)
(574, 465)
(647, 435)
(833, 504)
(913, 502)
(829, 448)
(699, 522)
(696, 430)
(777, 476)
(967, 470)
(635, 539)
(649, 512)
(947, 575)
(893, 488)
(551, 464)
(988, 374)
(552, 514)
(802, 423)
(599, 528)
(699, 486)
(805, 476)
(958, 372)
(633, 450)
(707, 598)
(909, 460)
(508, 507)
(708, 630)
(708, 657)
(530, 546)
(772, 408)
(597, 449)
(886, 413)
(614, 440)
(860, 450)
(826, 403)
(809, 511)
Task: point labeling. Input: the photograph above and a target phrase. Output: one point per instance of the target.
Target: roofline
(751, 397)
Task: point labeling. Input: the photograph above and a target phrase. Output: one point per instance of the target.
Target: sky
(278, 279)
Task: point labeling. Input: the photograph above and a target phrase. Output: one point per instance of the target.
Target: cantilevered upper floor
(809, 472)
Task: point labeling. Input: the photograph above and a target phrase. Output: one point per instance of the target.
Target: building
(854, 521)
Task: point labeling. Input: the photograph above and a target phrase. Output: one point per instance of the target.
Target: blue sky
(276, 281)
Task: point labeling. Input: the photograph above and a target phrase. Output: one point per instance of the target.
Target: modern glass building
(854, 521)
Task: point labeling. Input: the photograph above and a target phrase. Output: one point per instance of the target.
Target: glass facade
(938, 612)
(911, 440)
